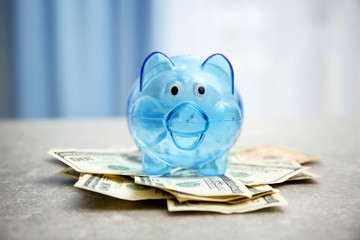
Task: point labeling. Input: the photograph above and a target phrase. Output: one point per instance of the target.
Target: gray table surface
(37, 204)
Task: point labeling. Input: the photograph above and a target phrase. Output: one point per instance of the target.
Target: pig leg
(215, 167)
(152, 165)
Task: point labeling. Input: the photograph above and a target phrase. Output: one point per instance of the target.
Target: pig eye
(174, 89)
(200, 90)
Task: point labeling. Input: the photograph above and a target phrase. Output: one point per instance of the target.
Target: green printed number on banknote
(241, 174)
(117, 167)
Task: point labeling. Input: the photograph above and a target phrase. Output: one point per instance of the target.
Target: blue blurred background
(77, 58)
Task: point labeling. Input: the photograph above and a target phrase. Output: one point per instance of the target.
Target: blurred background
(77, 58)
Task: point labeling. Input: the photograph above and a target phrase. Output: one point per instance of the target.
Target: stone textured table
(37, 204)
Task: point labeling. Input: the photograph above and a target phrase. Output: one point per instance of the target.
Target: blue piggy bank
(185, 112)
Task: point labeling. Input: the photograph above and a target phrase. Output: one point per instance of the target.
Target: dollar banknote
(108, 161)
(200, 186)
(280, 162)
(256, 173)
(119, 187)
(69, 172)
(256, 191)
(266, 201)
(303, 175)
(268, 152)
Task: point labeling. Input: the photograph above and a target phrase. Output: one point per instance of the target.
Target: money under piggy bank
(185, 112)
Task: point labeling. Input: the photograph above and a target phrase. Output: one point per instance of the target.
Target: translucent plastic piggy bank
(185, 112)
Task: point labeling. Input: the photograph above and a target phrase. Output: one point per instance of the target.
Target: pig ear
(154, 64)
(219, 65)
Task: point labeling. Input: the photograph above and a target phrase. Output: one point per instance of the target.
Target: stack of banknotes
(243, 188)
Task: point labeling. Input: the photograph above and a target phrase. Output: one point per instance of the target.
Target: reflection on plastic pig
(185, 112)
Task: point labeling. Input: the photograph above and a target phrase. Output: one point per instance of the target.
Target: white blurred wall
(290, 57)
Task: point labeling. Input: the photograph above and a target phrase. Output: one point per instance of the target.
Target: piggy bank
(185, 112)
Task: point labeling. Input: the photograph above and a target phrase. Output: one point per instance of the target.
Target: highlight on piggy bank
(185, 112)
